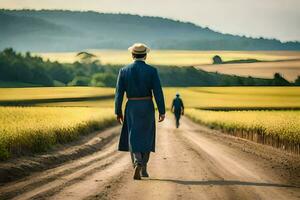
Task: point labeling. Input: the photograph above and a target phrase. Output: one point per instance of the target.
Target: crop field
(36, 129)
(284, 125)
(38, 93)
(194, 97)
(237, 97)
(176, 58)
(43, 124)
(289, 69)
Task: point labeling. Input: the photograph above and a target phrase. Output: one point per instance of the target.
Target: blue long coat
(138, 131)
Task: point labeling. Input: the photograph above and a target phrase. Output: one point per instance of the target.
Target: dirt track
(192, 162)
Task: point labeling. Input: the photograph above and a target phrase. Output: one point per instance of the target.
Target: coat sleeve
(172, 106)
(158, 93)
(120, 89)
(182, 106)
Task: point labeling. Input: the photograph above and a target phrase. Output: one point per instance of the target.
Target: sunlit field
(176, 58)
(237, 97)
(52, 93)
(35, 129)
(289, 69)
(283, 124)
(193, 97)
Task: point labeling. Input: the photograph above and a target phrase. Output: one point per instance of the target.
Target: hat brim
(132, 50)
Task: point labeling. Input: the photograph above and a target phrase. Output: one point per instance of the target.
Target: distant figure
(139, 81)
(177, 108)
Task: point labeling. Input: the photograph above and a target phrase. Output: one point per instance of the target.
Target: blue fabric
(138, 131)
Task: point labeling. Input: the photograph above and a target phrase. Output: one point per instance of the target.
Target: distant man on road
(139, 81)
(177, 108)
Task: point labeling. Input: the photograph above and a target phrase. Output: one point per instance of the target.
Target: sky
(278, 19)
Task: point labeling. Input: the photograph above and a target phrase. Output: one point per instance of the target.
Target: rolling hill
(59, 30)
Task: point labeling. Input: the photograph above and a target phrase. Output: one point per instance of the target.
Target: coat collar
(139, 60)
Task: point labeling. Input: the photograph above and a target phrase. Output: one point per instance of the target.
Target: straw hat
(139, 48)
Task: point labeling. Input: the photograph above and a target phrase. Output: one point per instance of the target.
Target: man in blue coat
(140, 82)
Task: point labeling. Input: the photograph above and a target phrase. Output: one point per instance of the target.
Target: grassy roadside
(277, 128)
(37, 129)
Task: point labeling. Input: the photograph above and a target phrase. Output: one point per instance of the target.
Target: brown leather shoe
(137, 172)
(144, 172)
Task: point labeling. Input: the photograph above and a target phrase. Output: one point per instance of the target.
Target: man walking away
(177, 108)
(139, 81)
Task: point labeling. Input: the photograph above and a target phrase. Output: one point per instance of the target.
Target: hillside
(57, 30)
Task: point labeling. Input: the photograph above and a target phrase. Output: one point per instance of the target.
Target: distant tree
(104, 79)
(59, 72)
(279, 80)
(297, 81)
(9, 52)
(87, 58)
(27, 54)
(97, 80)
(80, 81)
(217, 60)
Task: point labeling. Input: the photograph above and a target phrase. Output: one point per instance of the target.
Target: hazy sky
(269, 18)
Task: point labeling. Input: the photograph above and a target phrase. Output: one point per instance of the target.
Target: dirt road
(191, 162)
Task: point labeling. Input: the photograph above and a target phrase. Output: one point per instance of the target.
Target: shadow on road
(223, 182)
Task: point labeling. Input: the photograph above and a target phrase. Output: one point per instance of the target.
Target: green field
(172, 57)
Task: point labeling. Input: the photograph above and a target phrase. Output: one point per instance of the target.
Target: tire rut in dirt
(54, 190)
(32, 182)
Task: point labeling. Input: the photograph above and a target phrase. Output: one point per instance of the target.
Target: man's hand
(120, 119)
(182, 112)
(161, 117)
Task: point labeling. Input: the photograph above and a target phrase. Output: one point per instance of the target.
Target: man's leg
(138, 162)
(145, 159)
(137, 158)
(177, 121)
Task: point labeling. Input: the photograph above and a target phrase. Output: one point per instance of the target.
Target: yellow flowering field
(236, 97)
(37, 93)
(36, 129)
(284, 124)
(193, 97)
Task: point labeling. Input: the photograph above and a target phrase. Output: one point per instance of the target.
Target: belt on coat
(140, 98)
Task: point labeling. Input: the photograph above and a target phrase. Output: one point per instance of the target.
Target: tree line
(26, 68)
